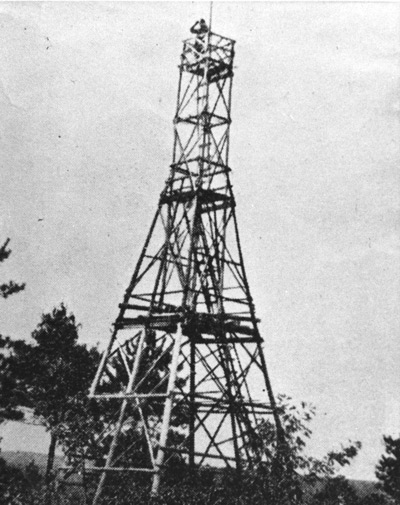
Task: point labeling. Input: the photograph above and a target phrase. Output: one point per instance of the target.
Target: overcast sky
(87, 96)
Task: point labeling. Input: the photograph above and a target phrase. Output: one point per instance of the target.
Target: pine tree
(388, 468)
(52, 377)
(9, 288)
(9, 405)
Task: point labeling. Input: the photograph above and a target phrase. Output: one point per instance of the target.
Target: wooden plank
(113, 469)
(133, 306)
(200, 454)
(127, 396)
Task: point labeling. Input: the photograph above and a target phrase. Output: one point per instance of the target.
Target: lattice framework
(186, 352)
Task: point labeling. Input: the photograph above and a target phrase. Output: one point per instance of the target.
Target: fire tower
(184, 365)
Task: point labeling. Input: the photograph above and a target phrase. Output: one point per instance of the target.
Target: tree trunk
(50, 456)
(50, 464)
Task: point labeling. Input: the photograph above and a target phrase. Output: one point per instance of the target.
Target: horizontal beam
(228, 341)
(197, 323)
(213, 35)
(196, 119)
(133, 306)
(224, 412)
(127, 396)
(112, 469)
(204, 196)
(200, 454)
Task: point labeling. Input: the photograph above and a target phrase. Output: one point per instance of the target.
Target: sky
(87, 97)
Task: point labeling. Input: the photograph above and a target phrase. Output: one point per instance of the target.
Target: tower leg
(192, 412)
(167, 410)
(279, 429)
(120, 419)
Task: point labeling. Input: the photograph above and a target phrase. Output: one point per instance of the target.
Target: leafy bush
(20, 487)
(388, 468)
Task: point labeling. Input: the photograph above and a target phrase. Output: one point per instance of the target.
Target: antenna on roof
(210, 23)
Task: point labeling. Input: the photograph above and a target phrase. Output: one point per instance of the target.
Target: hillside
(20, 459)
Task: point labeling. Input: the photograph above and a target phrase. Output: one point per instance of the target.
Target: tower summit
(184, 368)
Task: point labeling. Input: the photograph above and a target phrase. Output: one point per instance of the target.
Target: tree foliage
(56, 369)
(11, 400)
(8, 288)
(51, 376)
(9, 404)
(388, 468)
(336, 491)
(20, 486)
(288, 469)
